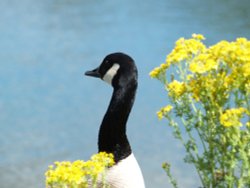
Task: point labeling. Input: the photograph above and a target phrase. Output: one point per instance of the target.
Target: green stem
(166, 167)
(196, 154)
(212, 154)
(197, 129)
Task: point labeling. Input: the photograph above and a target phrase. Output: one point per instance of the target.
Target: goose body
(120, 72)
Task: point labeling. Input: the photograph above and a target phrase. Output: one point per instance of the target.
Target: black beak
(93, 73)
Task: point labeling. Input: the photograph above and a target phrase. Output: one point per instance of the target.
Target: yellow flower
(159, 114)
(164, 111)
(159, 72)
(194, 89)
(167, 108)
(241, 41)
(220, 50)
(246, 69)
(203, 63)
(154, 73)
(231, 117)
(176, 89)
(198, 36)
(164, 66)
(248, 124)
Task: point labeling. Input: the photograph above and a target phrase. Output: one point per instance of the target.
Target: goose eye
(110, 74)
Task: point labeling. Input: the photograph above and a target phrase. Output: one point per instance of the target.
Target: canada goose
(119, 70)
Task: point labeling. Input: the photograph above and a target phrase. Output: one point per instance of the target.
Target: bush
(209, 90)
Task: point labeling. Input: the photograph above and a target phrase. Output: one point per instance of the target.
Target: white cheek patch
(108, 77)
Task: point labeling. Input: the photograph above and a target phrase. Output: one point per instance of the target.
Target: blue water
(50, 111)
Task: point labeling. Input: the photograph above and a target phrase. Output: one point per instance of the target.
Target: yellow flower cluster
(231, 117)
(208, 74)
(203, 63)
(226, 65)
(220, 68)
(164, 111)
(78, 174)
(176, 88)
(186, 49)
(209, 86)
(156, 72)
(232, 53)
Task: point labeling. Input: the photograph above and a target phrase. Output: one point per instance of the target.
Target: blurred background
(49, 111)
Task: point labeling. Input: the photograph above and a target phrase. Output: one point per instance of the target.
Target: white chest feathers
(125, 174)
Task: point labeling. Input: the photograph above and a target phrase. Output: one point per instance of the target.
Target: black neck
(112, 134)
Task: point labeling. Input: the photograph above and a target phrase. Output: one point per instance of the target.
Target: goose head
(117, 69)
